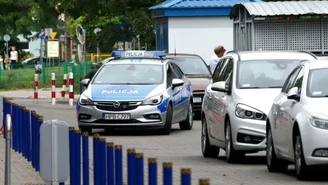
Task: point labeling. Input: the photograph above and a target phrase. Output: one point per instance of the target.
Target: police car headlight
(155, 100)
(85, 100)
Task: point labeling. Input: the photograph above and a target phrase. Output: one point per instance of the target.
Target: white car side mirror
(85, 82)
(293, 94)
(177, 82)
(219, 86)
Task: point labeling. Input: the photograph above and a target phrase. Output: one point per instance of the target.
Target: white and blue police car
(136, 89)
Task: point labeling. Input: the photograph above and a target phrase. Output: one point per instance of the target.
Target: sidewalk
(42, 94)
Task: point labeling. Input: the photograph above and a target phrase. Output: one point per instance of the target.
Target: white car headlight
(155, 100)
(319, 123)
(84, 100)
(247, 112)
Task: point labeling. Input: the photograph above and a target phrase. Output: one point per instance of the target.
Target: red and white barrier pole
(53, 88)
(71, 93)
(64, 86)
(36, 88)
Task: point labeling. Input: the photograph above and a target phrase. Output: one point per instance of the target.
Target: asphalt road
(183, 148)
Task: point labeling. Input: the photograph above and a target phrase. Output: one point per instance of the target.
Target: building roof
(282, 8)
(194, 7)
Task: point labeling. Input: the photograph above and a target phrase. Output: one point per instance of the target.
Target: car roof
(156, 61)
(170, 55)
(258, 55)
(317, 64)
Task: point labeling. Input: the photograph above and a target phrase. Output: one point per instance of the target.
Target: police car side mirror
(177, 82)
(85, 82)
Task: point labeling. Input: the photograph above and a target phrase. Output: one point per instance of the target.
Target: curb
(31, 98)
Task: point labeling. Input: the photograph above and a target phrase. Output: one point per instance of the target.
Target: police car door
(175, 94)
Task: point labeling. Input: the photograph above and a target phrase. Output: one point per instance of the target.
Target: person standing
(1, 63)
(7, 62)
(218, 53)
(13, 56)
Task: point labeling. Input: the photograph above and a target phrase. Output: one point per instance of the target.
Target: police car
(137, 89)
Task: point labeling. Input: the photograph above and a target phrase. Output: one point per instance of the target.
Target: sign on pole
(53, 35)
(54, 151)
(48, 31)
(6, 38)
(52, 48)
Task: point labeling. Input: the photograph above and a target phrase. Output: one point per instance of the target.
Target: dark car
(196, 70)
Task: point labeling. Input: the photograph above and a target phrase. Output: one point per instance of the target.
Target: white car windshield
(263, 73)
(317, 83)
(192, 66)
(133, 73)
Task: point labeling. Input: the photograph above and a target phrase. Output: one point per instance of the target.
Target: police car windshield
(130, 74)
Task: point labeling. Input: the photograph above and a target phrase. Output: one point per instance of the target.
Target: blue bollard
(62, 183)
(110, 164)
(185, 176)
(39, 123)
(167, 173)
(33, 126)
(18, 128)
(72, 155)
(118, 165)
(23, 137)
(204, 182)
(5, 112)
(152, 171)
(102, 164)
(29, 136)
(96, 159)
(85, 154)
(131, 166)
(139, 169)
(14, 131)
(78, 156)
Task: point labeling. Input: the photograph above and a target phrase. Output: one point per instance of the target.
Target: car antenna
(175, 44)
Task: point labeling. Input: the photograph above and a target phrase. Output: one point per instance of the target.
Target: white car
(236, 104)
(297, 125)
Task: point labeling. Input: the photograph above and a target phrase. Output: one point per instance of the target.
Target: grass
(16, 79)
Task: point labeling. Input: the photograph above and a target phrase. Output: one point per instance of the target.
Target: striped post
(71, 92)
(53, 88)
(36, 88)
(63, 91)
(204, 182)
(185, 176)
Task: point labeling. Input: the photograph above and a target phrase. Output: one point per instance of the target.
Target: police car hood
(123, 92)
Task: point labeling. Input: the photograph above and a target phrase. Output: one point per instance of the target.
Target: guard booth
(288, 25)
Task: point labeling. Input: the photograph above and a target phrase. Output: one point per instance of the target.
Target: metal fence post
(139, 169)
(78, 156)
(118, 164)
(152, 171)
(72, 155)
(85, 154)
(40, 121)
(167, 173)
(95, 158)
(131, 166)
(102, 163)
(8, 151)
(110, 164)
(204, 182)
(185, 176)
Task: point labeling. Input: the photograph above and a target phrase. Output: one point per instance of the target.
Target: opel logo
(116, 104)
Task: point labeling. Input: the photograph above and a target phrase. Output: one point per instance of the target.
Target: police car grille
(109, 106)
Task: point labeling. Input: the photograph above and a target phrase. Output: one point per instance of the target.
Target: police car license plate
(197, 100)
(116, 116)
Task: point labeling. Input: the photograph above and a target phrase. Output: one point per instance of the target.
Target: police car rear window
(130, 74)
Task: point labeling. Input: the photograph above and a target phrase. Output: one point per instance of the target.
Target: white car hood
(260, 99)
(317, 106)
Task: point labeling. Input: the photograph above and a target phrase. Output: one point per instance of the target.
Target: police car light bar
(138, 53)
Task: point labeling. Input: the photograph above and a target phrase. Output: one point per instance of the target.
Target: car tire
(86, 129)
(168, 122)
(208, 150)
(273, 163)
(232, 156)
(302, 170)
(188, 123)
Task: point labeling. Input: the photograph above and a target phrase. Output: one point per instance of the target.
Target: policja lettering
(134, 53)
(119, 91)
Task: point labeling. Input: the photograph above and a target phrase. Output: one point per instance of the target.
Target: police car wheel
(85, 129)
(168, 123)
(188, 123)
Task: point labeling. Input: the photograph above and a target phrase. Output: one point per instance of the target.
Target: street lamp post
(6, 38)
(96, 31)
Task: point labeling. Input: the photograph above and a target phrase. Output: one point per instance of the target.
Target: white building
(30, 46)
(194, 26)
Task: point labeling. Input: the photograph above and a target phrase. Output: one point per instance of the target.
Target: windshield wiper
(250, 87)
(274, 87)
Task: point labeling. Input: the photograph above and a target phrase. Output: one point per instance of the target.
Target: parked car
(196, 70)
(138, 89)
(297, 124)
(236, 104)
